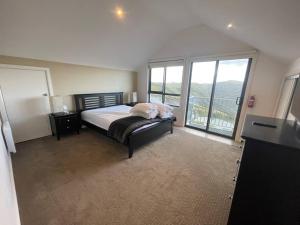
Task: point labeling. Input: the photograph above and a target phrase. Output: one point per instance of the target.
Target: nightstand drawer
(68, 124)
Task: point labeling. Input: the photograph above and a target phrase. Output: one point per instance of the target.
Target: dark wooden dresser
(62, 123)
(267, 188)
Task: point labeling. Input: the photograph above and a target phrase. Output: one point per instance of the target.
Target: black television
(295, 108)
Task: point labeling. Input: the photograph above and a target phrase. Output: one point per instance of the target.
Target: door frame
(46, 73)
(44, 69)
(242, 96)
(292, 77)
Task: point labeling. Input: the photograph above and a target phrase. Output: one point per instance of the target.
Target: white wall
(266, 84)
(69, 79)
(294, 68)
(201, 41)
(9, 214)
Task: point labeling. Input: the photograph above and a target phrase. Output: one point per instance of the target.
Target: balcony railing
(222, 118)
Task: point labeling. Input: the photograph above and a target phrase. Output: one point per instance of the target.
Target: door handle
(238, 100)
(45, 94)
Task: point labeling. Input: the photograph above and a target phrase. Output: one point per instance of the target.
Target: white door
(25, 92)
(9, 212)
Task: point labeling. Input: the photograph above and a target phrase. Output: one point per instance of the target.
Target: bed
(99, 111)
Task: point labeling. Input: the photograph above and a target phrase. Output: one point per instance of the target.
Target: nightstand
(131, 103)
(63, 123)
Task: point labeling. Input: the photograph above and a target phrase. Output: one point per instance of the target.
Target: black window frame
(163, 92)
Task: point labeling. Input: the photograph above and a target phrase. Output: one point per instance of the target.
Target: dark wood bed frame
(136, 139)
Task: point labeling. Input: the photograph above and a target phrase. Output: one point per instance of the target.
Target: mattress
(103, 117)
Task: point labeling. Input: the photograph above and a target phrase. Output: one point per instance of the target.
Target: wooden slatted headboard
(97, 100)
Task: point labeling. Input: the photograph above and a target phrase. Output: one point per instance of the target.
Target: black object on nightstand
(131, 103)
(62, 123)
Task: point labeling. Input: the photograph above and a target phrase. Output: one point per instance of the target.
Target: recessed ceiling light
(229, 26)
(119, 12)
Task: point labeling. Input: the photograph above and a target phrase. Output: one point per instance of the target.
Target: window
(165, 82)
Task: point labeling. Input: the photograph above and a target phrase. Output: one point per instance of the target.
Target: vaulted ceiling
(87, 31)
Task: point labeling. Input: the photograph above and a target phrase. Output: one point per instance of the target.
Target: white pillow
(149, 115)
(165, 111)
(163, 107)
(144, 107)
(165, 115)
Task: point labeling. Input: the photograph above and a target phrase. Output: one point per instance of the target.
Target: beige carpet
(87, 179)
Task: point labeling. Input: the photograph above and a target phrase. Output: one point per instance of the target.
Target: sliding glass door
(201, 86)
(216, 94)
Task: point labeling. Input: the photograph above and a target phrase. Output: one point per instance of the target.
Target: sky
(203, 72)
